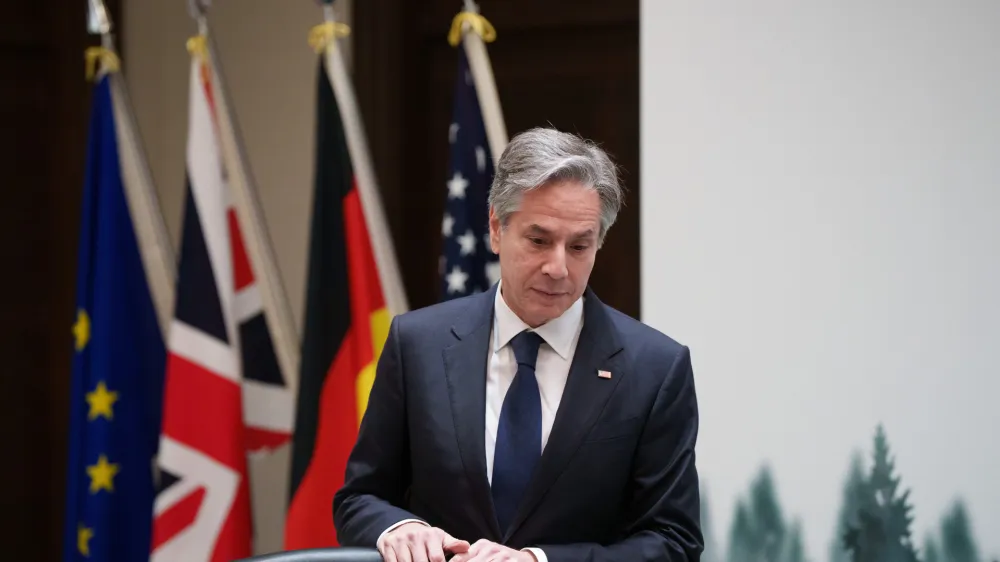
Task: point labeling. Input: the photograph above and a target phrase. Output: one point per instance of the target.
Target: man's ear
(494, 231)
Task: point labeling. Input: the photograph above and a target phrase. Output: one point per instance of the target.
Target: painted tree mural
(711, 552)
(957, 544)
(794, 549)
(759, 532)
(930, 552)
(873, 523)
(741, 536)
(882, 530)
(852, 497)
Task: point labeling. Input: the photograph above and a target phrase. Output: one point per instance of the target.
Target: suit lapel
(466, 362)
(582, 401)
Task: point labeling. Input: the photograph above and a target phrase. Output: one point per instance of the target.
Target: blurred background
(813, 207)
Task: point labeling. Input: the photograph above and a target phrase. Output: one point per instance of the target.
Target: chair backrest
(343, 554)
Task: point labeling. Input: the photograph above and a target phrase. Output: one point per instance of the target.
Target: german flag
(346, 325)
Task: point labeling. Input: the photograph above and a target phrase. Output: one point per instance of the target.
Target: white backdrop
(821, 224)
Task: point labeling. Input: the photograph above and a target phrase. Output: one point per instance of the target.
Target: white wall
(821, 224)
(271, 75)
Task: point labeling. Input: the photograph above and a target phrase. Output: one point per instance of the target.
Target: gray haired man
(531, 422)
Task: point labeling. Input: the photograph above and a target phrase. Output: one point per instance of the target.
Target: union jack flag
(225, 395)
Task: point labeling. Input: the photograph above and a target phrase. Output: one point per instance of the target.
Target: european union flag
(467, 264)
(118, 364)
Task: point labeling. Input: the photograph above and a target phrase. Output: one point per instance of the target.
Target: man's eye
(537, 241)
(580, 248)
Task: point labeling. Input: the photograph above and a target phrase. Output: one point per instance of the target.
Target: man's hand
(486, 551)
(416, 542)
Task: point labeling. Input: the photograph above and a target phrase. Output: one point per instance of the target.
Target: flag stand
(140, 192)
(474, 43)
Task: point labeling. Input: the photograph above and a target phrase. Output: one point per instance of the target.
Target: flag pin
(604, 374)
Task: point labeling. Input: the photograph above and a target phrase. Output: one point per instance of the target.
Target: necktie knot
(525, 346)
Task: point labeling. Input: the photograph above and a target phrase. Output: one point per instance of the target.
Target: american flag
(467, 264)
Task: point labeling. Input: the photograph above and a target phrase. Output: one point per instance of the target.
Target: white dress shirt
(551, 368)
(555, 356)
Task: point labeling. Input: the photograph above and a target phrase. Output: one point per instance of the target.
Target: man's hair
(539, 156)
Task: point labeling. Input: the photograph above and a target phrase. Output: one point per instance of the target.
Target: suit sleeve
(378, 470)
(663, 514)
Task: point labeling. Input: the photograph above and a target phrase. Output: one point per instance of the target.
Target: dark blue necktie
(519, 434)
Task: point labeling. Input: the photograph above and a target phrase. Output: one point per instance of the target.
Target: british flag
(225, 394)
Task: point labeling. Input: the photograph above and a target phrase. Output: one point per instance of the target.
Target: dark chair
(343, 554)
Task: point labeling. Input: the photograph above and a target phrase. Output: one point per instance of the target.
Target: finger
(483, 551)
(498, 553)
(455, 546)
(464, 557)
(402, 549)
(389, 554)
(435, 552)
(479, 546)
(418, 548)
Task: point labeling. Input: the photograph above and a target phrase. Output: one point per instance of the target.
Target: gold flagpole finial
(100, 60)
(479, 24)
(198, 47)
(326, 34)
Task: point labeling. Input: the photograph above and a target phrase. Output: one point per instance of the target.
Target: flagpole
(251, 218)
(155, 248)
(486, 88)
(371, 201)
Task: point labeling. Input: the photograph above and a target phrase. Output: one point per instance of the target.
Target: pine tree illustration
(793, 550)
(710, 554)
(852, 496)
(930, 552)
(768, 520)
(957, 544)
(882, 531)
(758, 530)
(741, 536)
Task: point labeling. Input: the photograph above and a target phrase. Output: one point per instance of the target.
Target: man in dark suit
(531, 422)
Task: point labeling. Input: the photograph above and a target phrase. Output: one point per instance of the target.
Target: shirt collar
(558, 332)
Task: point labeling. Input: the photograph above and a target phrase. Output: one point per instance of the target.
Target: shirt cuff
(538, 554)
(379, 541)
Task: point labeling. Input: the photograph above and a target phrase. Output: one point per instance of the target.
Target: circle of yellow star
(102, 475)
(83, 536)
(101, 400)
(81, 329)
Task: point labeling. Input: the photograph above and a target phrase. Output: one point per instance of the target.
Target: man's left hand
(486, 551)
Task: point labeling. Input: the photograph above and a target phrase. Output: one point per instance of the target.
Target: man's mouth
(550, 294)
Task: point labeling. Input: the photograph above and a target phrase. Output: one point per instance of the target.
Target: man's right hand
(416, 542)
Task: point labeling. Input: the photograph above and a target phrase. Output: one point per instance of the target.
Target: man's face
(547, 249)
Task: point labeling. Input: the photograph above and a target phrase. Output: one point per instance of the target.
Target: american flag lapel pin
(604, 374)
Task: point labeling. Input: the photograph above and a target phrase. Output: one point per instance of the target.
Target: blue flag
(467, 264)
(118, 362)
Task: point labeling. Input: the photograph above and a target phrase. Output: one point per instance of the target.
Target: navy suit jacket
(617, 478)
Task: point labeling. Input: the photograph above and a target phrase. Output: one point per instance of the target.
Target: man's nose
(555, 263)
